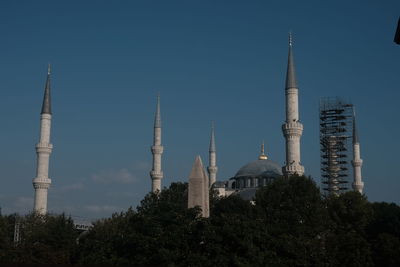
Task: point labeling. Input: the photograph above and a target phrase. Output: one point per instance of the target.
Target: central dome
(255, 174)
(260, 168)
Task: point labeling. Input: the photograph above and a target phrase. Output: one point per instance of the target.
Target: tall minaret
(358, 185)
(43, 150)
(292, 128)
(157, 150)
(212, 154)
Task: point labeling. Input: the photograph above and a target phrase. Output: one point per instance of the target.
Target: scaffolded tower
(336, 124)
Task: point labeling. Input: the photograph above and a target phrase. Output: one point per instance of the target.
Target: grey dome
(259, 168)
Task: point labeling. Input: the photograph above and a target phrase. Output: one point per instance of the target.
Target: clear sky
(210, 60)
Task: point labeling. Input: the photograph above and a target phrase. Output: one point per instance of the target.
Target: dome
(260, 168)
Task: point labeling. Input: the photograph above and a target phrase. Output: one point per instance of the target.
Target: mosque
(254, 174)
(245, 182)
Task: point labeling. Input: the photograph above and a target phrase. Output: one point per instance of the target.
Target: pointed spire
(290, 74)
(262, 155)
(157, 120)
(355, 133)
(212, 139)
(46, 106)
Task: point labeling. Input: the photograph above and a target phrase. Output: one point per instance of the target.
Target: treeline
(290, 224)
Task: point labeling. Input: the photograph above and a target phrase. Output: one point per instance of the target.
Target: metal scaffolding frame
(335, 124)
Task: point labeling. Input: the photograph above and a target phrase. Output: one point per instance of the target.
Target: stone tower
(292, 128)
(43, 150)
(198, 194)
(157, 149)
(212, 153)
(358, 184)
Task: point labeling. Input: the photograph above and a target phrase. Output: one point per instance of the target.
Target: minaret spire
(157, 149)
(292, 128)
(290, 72)
(44, 148)
(358, 184)
(212, 168)
(46, 106)
(355, 133)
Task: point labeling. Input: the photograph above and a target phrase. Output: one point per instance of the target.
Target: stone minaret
(198, 192)
(157, 150)
(358, 184)
(43, 150)
(292, 128)
(212, 152)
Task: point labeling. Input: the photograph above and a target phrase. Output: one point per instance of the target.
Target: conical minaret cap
(290, 73)
(197, 169)
(355, 132)
(46, 106)
(157, 119)
(212, 139)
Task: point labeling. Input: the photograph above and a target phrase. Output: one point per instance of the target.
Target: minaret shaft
(292, 104)
(212, 168)
(157, 149)
(44, 148)
(292, 129)
(358, 184)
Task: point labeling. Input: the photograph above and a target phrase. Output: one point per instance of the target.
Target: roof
(246, 193)
(290, 73)
(46, 106)
(257, 168)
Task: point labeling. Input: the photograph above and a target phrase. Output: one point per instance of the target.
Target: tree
(384, 234)
(48, 239)
(347, 242)
(295, 217)
(156, 234)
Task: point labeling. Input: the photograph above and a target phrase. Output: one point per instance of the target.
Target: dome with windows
(256, 173)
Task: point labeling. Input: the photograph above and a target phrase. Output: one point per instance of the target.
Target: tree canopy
(289, 223)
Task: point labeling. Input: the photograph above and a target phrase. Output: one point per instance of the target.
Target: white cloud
(24, 202)
(20, 205)
(122, 176)
(142, 166)
(72, 187)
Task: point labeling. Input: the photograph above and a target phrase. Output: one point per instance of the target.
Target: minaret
(292, 128)
(157, 150)
(43, 150)
(358, 185)
(198, 189)
(212, 152)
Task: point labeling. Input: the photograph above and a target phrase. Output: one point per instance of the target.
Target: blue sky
(210, 60)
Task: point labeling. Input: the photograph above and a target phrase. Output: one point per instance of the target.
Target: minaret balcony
(212, 169)
(44, 148)
(292, 129)
(41, 183)
(157, 149)
(357, 163)
(156, 175)
(293, 169)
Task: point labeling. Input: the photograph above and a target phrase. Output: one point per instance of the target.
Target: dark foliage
(289, 223)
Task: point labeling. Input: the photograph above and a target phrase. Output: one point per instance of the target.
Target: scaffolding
(336, 124)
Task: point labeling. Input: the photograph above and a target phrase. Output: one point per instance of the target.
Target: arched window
(255, 182)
